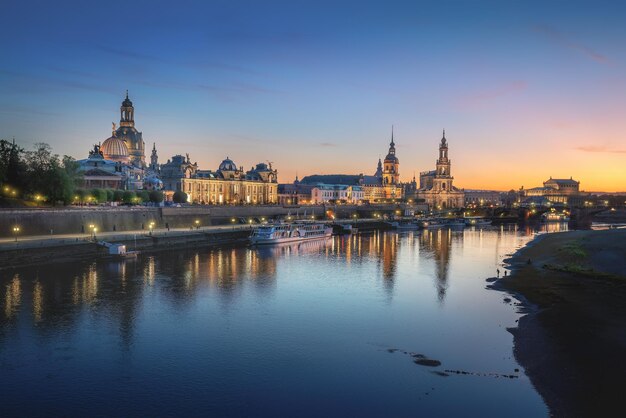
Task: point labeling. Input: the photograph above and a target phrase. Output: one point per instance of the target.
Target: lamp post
(16, 230)
(92, 227)
(232, 221)
(197, 222)
(151, 226)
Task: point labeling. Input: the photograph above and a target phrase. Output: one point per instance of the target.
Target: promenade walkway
(38, 241)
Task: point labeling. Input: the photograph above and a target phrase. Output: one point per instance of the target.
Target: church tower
(154, 158)
(443, 179)
(130, 135)
(127, 113)
(379, 170)
(391, 174)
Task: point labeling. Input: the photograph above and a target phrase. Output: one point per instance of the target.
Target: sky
(525, 90)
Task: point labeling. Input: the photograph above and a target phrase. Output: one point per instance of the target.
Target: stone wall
(47, 221)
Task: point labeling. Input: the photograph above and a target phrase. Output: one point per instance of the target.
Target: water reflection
(237, 317)
(437, 244)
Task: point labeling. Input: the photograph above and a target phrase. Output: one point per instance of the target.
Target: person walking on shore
(497, 272)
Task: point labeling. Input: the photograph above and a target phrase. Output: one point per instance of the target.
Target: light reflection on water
(299, 329)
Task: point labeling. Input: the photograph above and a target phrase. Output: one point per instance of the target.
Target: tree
(12, 167)
(128, 196)
(143, 195)
(180, 197)
(118, 195)
(80, 195)
(99, 195)
(110, 195)
(156, 196)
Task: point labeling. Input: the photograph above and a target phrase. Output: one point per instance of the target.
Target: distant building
(554, 191)
(325, 193)
(482, 198)
(436, 187)
(295, 193)
(227, 185)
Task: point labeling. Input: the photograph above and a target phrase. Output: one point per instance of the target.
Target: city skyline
(296, 86)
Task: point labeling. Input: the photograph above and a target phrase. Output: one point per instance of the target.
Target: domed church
(127, 134)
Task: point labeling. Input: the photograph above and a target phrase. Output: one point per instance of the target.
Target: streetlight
(16, 230)
(233, 220)
(151, 225)
(197, 222)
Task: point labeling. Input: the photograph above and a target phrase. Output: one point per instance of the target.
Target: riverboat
(292, 232)
(554, 217)
(477, 221)
(408, 226)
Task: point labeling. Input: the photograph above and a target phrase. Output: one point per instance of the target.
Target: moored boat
(293, 232)
(554, 217)
(477, 221)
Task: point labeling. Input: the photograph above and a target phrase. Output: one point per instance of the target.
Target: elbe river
(320, 328)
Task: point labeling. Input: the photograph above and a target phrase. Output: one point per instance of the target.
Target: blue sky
(530, 89)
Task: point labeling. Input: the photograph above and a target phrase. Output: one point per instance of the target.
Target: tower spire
(126, 93)
(391, 134)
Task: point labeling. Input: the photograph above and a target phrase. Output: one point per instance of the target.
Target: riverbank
(573, 339)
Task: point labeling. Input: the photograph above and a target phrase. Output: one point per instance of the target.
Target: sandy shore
(572, 342)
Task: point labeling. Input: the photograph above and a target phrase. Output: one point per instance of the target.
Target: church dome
(228, 165)
(115, 149)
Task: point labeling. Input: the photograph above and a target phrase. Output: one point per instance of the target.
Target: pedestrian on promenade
(498, 272)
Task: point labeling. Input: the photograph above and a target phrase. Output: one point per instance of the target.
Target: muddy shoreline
(572, 340)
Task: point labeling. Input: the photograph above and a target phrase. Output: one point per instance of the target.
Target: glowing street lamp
(197, 222)
(16, 230)
(151, 226)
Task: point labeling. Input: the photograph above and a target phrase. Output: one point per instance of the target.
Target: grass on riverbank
(572, 348)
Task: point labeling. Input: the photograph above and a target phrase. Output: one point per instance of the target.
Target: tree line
(38, 174)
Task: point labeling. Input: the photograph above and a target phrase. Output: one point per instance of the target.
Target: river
(311, 329)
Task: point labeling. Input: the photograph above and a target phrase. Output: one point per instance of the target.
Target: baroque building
(119, 161)
(226, 185)
(436, 186)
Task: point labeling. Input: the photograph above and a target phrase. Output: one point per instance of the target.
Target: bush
(156, 196)
(180, 197)
(110, 194)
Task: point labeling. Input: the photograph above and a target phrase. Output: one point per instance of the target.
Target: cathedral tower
(391, 174)
(443, 179)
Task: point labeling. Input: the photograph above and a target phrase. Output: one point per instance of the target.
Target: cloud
(600, 148)
(488, 95)
(560, 39)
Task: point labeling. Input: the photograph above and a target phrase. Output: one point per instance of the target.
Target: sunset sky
(525, 90)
